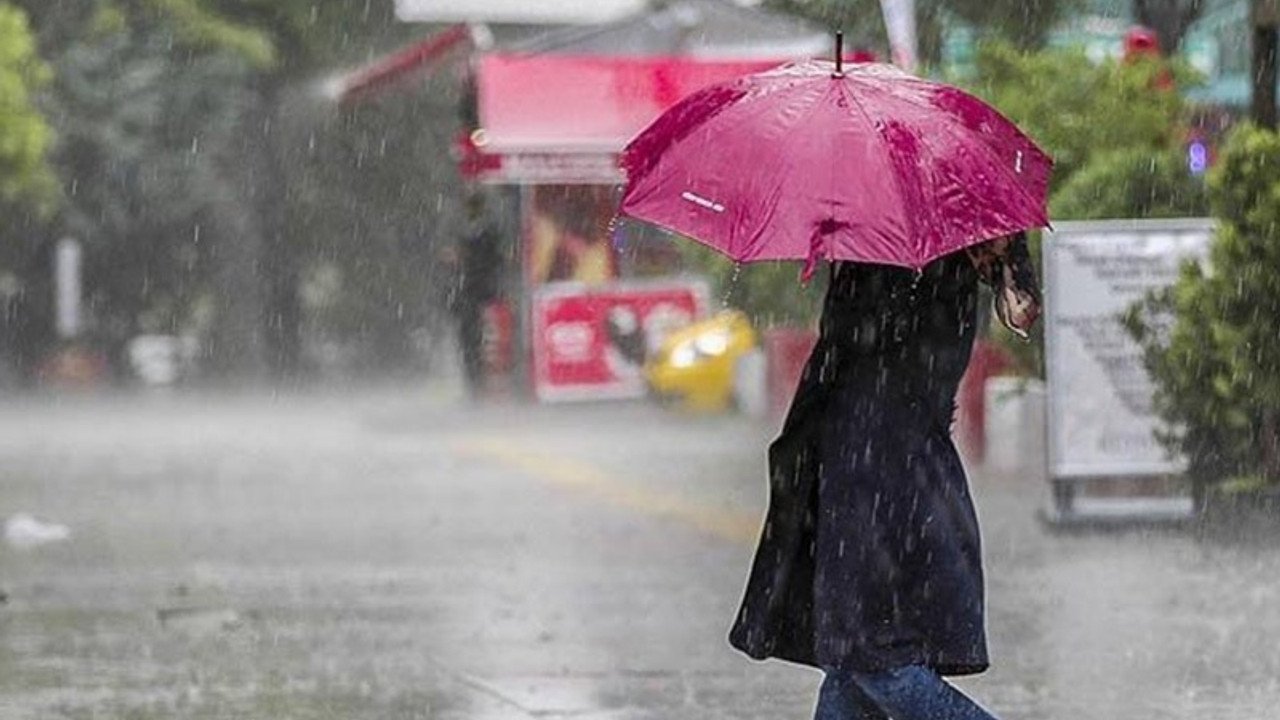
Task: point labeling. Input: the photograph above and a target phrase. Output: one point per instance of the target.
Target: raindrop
(731, 285)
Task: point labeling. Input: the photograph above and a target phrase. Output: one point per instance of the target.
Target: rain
(639, 359)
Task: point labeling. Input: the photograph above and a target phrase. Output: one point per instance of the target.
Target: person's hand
(1005, 265)
(1018, 310)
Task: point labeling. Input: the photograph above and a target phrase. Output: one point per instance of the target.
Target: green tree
(142, 119)
(1210, 341)
(186, 127)
(25, 136)
(28, 186)
(1077, 109)
(1024, 23)
(370, 206)
(303, 37)
(1132, 183)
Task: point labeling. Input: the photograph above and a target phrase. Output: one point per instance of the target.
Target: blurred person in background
(479, 283)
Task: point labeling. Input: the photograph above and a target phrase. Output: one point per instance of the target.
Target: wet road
(392, 555)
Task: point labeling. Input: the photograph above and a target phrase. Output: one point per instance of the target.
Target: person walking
(869, 565)
(478, 283)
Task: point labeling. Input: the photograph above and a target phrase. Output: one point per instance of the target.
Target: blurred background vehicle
(696, 365)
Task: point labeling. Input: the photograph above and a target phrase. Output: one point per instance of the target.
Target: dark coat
(869, 558)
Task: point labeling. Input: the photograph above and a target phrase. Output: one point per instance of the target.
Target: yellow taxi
(695, 366)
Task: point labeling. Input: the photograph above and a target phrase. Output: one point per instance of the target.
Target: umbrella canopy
(809, 161)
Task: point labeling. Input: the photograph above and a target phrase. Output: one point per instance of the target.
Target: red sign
(590, 343)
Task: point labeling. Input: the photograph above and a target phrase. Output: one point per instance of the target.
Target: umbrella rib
(987, 149)
(897, 182)
(787, 160)
(999, 163)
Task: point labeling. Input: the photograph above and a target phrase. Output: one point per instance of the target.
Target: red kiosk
(551, 115)
(597, 298)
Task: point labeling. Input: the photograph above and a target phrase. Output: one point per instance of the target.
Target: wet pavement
(398, 555)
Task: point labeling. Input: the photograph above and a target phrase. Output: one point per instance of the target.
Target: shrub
(1212, 341)
(1132, 183)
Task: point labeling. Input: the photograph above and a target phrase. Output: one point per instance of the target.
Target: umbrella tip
(839, 54)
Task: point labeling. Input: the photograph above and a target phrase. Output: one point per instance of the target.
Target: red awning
(585, 105)
(393, 68)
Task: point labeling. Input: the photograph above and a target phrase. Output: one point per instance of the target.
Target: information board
(1101, 420)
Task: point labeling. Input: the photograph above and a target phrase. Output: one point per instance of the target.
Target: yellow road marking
(589, 480)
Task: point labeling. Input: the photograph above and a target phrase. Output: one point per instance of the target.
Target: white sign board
(1101, 421)
(68, 259)
(516, 11)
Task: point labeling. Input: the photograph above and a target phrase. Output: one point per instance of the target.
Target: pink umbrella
(814, 160)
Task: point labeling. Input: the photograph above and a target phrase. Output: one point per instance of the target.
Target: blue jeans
(913, 692)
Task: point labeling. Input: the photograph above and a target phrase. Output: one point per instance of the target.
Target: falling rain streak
(343, 376)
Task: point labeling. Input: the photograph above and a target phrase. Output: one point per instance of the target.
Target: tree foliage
(374, 207)
(204, 172)
(143, 120)
(1076, 109)
(305, 36)
(1212, 348)
(1132, 183)
(25, 136)
(28, 186)
(1025, 23)
(1114, 133)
